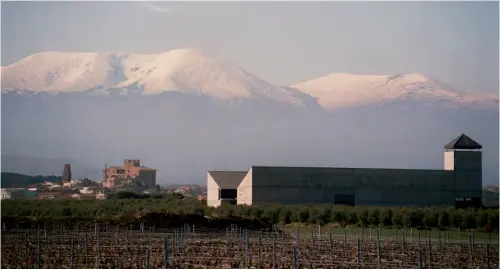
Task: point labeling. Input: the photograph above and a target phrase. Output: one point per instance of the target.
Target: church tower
(66, 177)
(463, 156)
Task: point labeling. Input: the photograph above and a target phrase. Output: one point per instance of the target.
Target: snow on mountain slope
(344, 90)
(54, 71)
(192, 71)
(185, 70)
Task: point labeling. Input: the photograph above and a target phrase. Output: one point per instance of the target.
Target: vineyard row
(233, 248)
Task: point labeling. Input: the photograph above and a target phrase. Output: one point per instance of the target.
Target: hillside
(29, 165)
(16, 180)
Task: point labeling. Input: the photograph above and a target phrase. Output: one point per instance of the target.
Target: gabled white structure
(222, 186)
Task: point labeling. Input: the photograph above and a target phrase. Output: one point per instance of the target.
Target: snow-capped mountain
(340, 90)
(189, 71)
(194, 72)
(186, 112)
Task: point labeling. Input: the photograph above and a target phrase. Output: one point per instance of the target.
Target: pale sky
(281, 42)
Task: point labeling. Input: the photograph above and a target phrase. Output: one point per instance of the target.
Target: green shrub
(285, 216)
(397, 219)
(127, 209)
(303, 215)
(374, 217)
(444, 219)
(469, 221)
(352, 217)
(386, 217)
(339, 217)
(363, 218)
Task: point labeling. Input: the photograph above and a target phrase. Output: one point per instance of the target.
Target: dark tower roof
(462, 142)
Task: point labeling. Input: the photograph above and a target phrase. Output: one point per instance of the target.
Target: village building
(131, 172)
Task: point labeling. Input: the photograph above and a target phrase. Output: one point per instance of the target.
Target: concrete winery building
(459, 184)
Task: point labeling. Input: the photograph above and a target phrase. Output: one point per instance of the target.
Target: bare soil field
(233, 247)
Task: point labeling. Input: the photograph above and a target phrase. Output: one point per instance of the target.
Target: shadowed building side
(459, 184)
(351, 186)
(463, 157)
(222, 186)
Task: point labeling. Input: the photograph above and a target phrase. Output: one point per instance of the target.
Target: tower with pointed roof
(463, 156)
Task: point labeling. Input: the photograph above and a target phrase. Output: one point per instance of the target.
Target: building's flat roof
(344, 168)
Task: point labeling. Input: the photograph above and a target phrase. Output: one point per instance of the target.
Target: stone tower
(463, 156)
(66, 177)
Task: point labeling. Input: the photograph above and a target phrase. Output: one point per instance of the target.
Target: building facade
(458, 184)
(222, 187)
(130, 172)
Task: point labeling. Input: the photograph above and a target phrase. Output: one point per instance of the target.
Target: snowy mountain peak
(189, 53)
(343, 90)
(195, 72)
(189, 70)
(411, 76)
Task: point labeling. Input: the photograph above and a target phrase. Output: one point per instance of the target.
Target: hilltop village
(131, 178)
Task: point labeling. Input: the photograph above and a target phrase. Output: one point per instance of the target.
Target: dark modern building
(458, 184)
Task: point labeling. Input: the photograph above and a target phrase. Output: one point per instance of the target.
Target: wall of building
(404, 187)
(245, 189)
(212, 192)
(114, 176)
(147, 177)
(449, 160)
(296, 185)
(131, 170)
(468, 172)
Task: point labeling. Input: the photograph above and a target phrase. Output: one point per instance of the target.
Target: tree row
(131, 209)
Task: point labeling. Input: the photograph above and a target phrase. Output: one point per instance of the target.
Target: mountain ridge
(194, 72)
(343, 90)
(184, 70)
